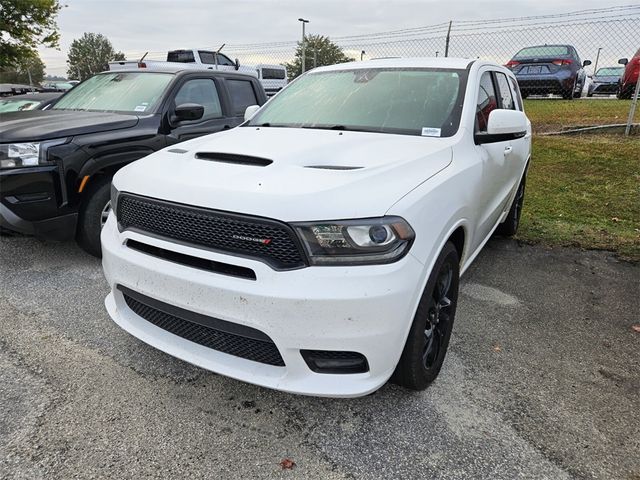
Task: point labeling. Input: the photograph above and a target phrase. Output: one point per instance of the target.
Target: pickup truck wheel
(426, 346)
(93, 214)
(509, 227)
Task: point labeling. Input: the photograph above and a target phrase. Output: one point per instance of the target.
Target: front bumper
(364, 309)
(32, 202)
(57, 228)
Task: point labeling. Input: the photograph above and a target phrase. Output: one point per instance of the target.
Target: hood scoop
(333, 167)
(234, 159)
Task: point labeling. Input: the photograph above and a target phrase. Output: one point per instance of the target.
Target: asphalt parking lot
(542, 380)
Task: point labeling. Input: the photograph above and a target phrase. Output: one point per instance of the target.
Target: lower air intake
(231, 338)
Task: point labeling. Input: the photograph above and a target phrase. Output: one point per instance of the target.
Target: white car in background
(272, 77)
(317, 248)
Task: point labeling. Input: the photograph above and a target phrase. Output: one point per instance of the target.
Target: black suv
(56, 165)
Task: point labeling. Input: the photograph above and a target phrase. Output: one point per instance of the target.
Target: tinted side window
(487, 102)
(242, 95)
(505, 92)
(209, 58)
(203, 92)
(518, 97)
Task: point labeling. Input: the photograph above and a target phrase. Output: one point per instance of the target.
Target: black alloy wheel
(428, 339)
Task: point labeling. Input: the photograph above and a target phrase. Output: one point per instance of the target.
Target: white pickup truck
(272, 77)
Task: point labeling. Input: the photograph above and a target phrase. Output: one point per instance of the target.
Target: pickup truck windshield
(135, 92)
(401, 101)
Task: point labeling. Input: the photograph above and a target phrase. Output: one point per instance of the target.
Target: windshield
(402, 101)
(543, 51)
(117, 92)
(609, 72)
(16, 105)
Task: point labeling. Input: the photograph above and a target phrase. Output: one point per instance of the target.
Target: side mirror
(188, 111)
(237, 65)
(623, 61)
(503, 125)
(250, 112)
(586, 62)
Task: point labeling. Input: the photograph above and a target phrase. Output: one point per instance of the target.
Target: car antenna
(217, 52)
(140, 63)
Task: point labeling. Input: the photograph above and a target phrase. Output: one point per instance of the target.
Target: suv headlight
(356, 242)
(30, 154)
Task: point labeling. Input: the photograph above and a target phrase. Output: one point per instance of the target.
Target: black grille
(268, 240)
(220, 335)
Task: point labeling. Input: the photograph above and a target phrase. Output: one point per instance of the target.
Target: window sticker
(140, 108)
(431, 132)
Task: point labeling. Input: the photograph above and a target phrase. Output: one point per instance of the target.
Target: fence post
(446, 45)
(632, 110)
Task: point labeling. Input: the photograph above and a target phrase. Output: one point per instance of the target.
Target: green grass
(584, 191)
(549, 115)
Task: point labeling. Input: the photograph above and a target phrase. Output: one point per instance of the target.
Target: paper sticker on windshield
(430, 132)
(142, 108)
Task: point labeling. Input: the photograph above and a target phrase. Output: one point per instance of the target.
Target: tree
(28, 71)
(320, 51)
(90, 54)
(23, 26)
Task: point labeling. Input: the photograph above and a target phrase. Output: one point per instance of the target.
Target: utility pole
(595, 67)
(446, 45)
(632, 110)
(304, 47)
(30, 81)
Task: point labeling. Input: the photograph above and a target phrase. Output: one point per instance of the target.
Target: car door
(495, 157)
(205, 92)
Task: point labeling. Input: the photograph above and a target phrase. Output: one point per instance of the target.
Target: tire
(626, 93)
(509, 227)
(569, 94)
(92, 215)
(428, 339)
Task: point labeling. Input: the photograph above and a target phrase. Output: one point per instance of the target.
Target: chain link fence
(566, 55)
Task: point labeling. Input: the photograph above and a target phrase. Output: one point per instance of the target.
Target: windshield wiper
(326, 127)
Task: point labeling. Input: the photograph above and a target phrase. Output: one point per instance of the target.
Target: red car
(630, 76)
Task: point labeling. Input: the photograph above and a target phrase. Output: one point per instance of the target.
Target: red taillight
(142, 65)
(566, 61)
(512, 63)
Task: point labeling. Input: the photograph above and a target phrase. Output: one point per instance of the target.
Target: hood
(44, 125)
(290, 174)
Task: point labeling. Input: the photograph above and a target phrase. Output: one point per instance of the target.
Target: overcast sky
(135, 26)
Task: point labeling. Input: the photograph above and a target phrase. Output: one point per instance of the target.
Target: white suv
(317, 248)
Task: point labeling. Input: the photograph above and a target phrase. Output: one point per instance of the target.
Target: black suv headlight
(356, 242)
(27, 154)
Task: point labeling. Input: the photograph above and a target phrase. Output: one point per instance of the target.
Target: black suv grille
(268, 240)
(220, 335)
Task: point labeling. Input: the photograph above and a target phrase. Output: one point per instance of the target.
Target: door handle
(508, 150)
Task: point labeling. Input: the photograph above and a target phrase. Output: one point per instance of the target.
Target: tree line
(26, 25)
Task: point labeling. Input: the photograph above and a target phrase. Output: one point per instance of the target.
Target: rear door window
(506, 99)
(487, 102)
(202, 91)
(242, 95)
